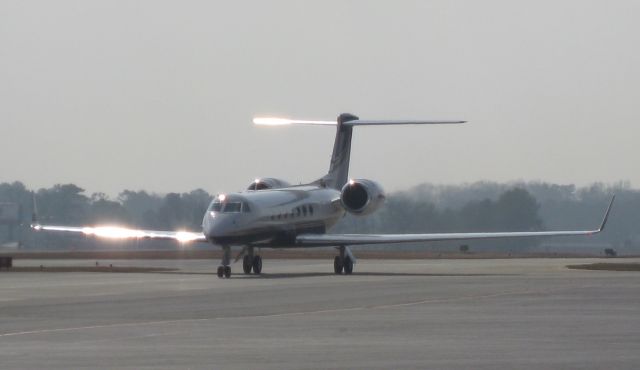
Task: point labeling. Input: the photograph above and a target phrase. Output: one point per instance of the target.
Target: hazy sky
(159, 95)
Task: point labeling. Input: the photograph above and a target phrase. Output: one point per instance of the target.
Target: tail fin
(339, 167)
(338, 174)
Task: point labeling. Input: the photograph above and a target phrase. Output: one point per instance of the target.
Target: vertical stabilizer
(339, 167)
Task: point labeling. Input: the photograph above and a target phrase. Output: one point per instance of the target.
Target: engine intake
(362, 197)
(267, 183)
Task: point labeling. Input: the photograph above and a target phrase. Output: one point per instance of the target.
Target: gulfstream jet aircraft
(274, 214)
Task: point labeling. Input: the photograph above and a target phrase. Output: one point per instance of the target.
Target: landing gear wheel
(220, 271)
(348, 265)
(337, 265)
(247, 264)
(227, 271)
(257, 264)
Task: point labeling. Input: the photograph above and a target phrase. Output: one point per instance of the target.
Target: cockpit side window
(232, 207)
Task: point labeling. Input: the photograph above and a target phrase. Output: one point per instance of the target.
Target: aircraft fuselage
(271, 217)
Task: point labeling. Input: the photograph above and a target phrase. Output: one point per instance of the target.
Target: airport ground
(528, 313)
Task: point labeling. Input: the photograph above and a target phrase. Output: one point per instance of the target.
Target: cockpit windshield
(216, 206)
(222, 204)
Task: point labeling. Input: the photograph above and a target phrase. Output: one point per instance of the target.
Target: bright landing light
(117, 232)
(113, 232)
(184, 236)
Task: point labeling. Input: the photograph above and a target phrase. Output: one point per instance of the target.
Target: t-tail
(338, 174)
(339, 167)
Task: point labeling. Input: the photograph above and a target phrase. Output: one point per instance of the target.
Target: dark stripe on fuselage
(270, 236)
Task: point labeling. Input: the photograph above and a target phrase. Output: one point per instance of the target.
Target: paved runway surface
(445, 314)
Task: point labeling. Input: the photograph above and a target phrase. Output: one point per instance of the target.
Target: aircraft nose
(220, 226)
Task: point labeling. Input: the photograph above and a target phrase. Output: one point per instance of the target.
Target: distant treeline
(490, 206)
(69, 205)
(481, 206)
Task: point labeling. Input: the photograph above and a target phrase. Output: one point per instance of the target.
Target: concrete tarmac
(391, 314)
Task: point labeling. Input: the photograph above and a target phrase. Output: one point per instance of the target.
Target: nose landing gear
(224, 270)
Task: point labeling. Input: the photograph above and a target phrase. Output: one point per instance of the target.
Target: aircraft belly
(274, 236)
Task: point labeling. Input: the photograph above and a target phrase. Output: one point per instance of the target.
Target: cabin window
(310, 210)
(304, 210)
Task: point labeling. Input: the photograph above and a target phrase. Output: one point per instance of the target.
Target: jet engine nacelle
(362, 197)
(267, 183)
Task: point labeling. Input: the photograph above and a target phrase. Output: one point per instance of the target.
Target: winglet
(606, 215)
(34, 212)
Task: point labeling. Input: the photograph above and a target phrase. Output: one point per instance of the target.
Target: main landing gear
(343, 262)
(251, 262)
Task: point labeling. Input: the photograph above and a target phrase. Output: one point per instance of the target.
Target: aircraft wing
(319, 240)
(116, 232)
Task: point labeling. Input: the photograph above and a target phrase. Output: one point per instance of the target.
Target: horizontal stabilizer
(273, 121)
(362, 122)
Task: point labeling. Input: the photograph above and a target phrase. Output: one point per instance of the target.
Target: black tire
(227, 272)
(220, 271)
(257, 264)
(337, 265)
(348, 265)
(246, 264)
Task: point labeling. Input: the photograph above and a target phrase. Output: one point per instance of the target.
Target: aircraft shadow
(290, 275)
(408, 274)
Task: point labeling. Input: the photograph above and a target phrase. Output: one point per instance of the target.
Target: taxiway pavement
(391, 314)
